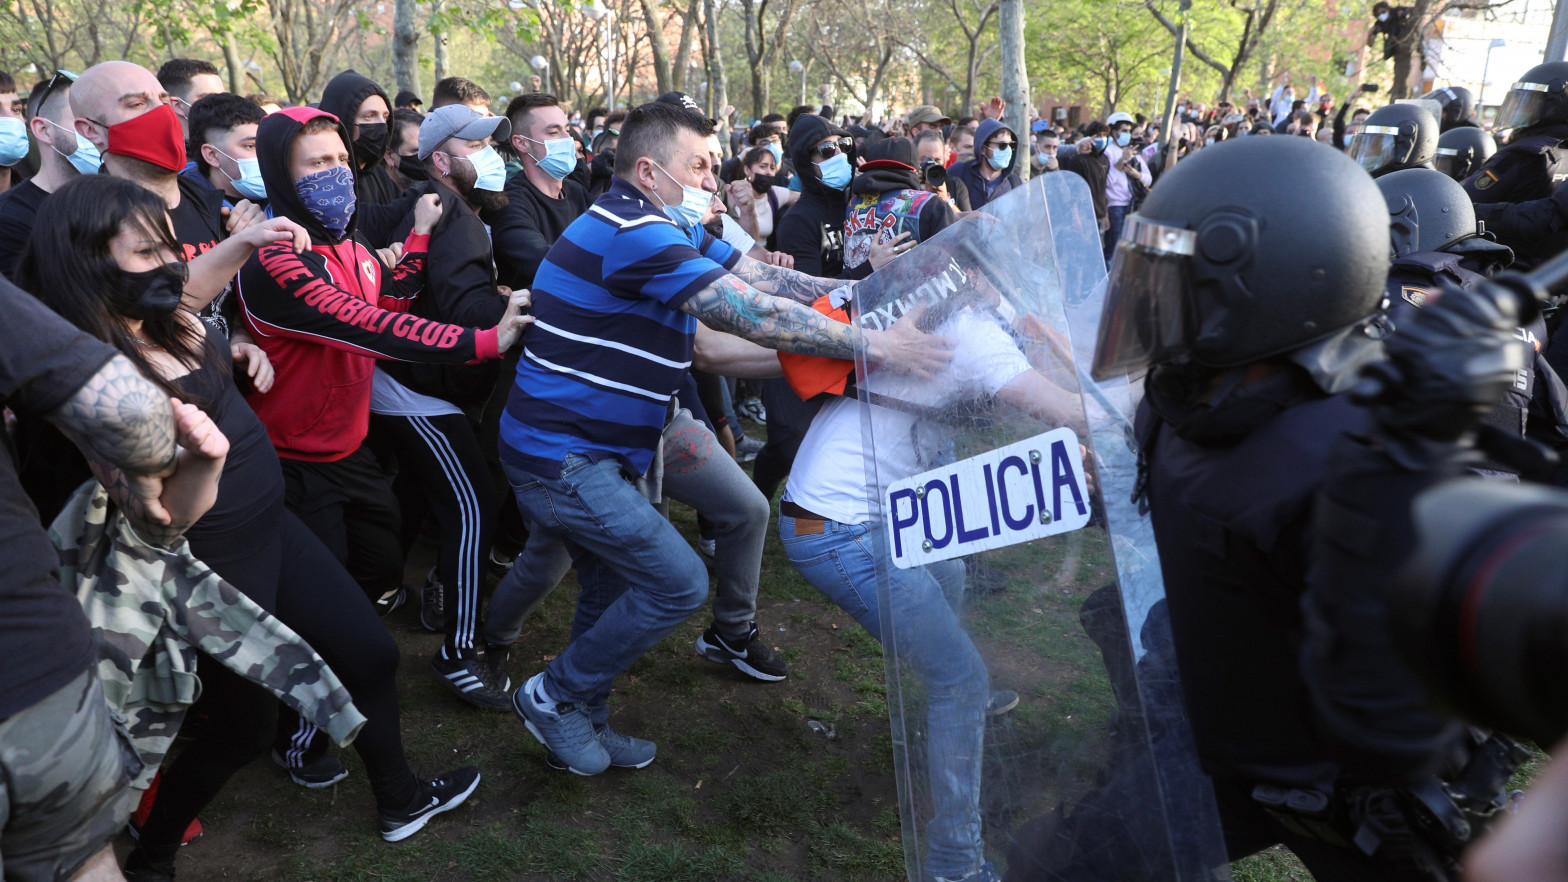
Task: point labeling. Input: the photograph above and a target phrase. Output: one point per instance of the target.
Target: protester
(457, 90)
(1127, 178)
(223, 147)
(402, 156)
(1089, 162)
(931, 150)
(62, 155)
(758, 202)
(187, 81)
(13, 133)
(990, 174)
(541, 201)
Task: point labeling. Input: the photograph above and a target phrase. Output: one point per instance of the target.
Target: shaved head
(115, 91)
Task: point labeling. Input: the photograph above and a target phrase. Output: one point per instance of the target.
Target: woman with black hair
(104, 257)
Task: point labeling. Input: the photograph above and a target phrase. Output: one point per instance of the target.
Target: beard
(487, 203)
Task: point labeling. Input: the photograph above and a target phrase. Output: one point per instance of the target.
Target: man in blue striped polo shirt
(616, 303)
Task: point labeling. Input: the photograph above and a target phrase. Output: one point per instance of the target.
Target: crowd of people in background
(527, 325)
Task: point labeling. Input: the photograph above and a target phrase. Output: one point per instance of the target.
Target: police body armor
(1418, 278)
(1526, 168)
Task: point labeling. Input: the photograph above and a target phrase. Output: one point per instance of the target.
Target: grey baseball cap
(459, 121)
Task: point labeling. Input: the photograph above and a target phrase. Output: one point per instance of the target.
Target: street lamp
(600, 13)
(539, 63)
(797, 67)
(1486, 72)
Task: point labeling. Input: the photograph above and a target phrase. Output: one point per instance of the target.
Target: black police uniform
(1528, 167)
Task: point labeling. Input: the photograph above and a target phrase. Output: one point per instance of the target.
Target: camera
(933, 172)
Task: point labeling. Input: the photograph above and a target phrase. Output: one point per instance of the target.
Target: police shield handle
(515, 319)
(907, 349)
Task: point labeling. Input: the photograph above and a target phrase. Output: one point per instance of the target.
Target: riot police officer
(1436, 245)
(1395, 137)
(1458, 107)
(1533, 162)
(1253, 312)
(1462, 151)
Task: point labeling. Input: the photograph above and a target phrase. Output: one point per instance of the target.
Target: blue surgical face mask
(1123, 139)
(489, 169)
(774, 148)
(13, 140)
(329, 197)
(836, 171)
(1043, 158)
(1101, 143)
(695, 202)
(248, 184)
(560, 156)
(1001, 159)
(86, 159)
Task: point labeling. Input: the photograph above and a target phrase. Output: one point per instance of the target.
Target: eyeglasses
(1002, 145)
(43, 94)
(834, 148)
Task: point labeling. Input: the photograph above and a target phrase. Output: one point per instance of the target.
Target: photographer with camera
(931, 153)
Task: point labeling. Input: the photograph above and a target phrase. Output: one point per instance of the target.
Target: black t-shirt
(18, 210)
(44, 637)
(529, 224)
(199, 227)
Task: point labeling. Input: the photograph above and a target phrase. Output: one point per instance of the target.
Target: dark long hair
(68, 266)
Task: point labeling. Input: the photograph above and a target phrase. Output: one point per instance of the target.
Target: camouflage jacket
(152, 609)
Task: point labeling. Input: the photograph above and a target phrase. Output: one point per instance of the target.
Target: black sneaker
(392, 600)
(467, 674)
(498, 565)
(324, 771)
(138, 868)
(434, 797)
(751, 656)
(496, 657)
(432, 607)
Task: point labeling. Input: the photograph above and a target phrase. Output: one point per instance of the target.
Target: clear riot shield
(1011, 559)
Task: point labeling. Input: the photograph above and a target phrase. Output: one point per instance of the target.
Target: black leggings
(442, 470)
(286, 570)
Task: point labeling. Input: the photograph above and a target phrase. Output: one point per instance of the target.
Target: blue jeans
(842, 563)
(640, 578)
(1115, 215)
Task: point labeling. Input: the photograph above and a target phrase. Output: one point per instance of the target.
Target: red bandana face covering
(153, 137)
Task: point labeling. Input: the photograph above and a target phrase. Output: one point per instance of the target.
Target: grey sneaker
(432, 608)
(625, 751)
(562, 727)
(1000, 702)
(747, 449)
(986, 873)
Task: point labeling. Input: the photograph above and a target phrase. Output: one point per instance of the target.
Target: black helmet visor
(1524, 106)
(1373, 146)
(1144, 321)
(1450, 162)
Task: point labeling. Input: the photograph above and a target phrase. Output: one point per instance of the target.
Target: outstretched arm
(120, 417)
(731, 305)
(786, 283)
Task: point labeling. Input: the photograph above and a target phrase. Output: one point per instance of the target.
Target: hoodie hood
(343, 96)
(882, 180)
(274, 136)
(808, 130)
(983, 133)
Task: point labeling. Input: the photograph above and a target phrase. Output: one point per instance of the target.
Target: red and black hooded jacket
(325, 316)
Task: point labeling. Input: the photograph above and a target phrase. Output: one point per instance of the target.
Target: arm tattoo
(785, 283)
(119, 416)
(731, 305)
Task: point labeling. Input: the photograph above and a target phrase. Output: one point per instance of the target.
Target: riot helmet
(1224, 264)
(1395, 137)
(1462, 151)
(1458, 106)
(1427, 209)
(1540, 96)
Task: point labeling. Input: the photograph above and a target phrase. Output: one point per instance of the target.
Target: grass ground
(743, 788)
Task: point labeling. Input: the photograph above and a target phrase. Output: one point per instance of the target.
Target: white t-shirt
(830, 474)
(388, 397)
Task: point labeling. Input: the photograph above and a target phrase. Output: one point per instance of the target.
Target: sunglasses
(43, 94)
(1002, 145)
(830, 150)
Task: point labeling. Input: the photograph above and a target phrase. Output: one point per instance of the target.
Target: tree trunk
(1015, 78)
(436, 9)
(681, 63)
(231, 58)
(661, 52)
(718, 86)
(405, 45)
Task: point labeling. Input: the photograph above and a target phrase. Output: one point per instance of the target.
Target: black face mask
(371, 144)
(154, 293)
(411, 168)
(763, 183)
